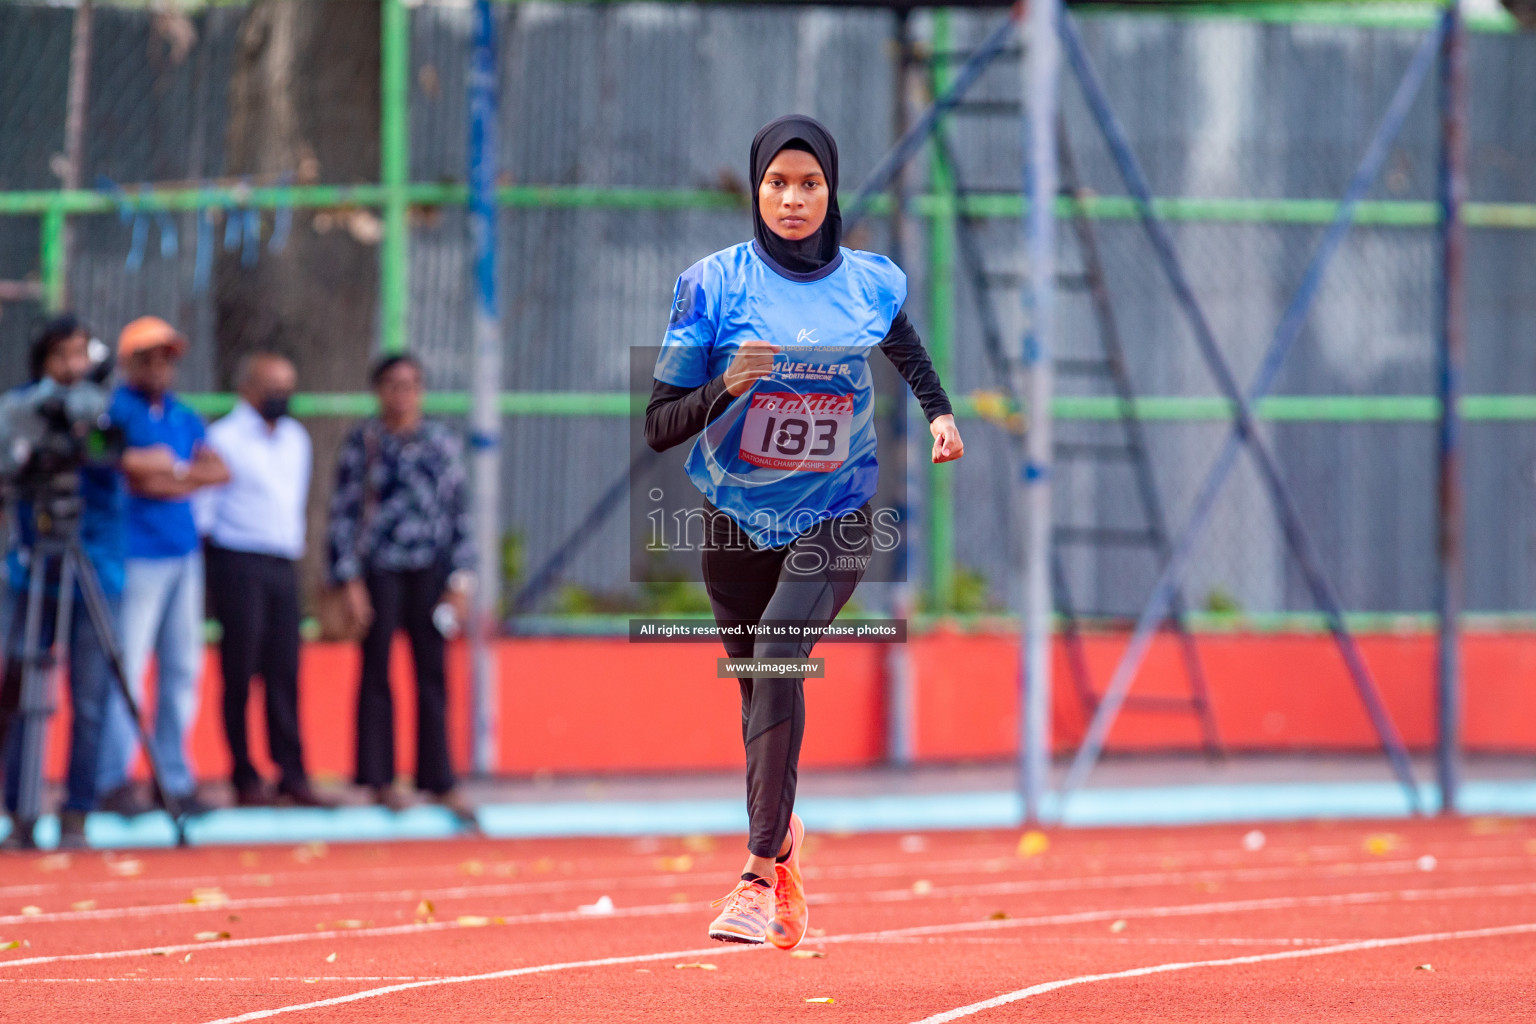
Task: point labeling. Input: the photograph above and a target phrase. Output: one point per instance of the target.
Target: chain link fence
(624, 133)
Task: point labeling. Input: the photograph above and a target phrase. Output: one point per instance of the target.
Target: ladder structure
(1105, 369)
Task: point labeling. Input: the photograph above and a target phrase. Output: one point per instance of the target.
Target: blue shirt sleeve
(892, 284)
(125, 413)
(684, 358)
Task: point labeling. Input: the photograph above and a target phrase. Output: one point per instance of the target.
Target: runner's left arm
(904, 348)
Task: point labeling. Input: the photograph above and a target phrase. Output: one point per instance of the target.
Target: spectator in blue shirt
(166, 462)
(61, 355)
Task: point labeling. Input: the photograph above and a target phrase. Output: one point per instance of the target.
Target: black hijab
(819, 249)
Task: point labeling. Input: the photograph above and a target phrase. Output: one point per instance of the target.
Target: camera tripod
(56, 507)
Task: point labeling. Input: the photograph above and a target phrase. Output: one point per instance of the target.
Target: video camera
(50, 431)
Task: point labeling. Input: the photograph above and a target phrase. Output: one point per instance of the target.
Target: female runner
(767, 354)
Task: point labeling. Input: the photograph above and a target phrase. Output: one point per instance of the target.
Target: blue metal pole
(1452, 352)
(1244, 429)
(485, 417)
(1042, 86)
(907, 146)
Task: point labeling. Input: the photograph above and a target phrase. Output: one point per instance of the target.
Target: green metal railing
(1152, 408)
(394, 195)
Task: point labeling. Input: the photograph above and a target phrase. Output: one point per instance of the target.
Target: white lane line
(654, 910)
(1152, 880)
(1093, 940)
(1179, 910)
(263, 940)
(1196, 910)
(1258, 958)
(1186, 859)
(306, 979)
(373, 993)
(665, 909)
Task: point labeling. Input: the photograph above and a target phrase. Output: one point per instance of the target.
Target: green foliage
(971, 595)
(1220, 601)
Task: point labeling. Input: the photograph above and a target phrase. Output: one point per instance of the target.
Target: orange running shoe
(790, 916)
(748, 908)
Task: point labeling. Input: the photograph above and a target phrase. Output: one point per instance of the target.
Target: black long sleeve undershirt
(675, 414)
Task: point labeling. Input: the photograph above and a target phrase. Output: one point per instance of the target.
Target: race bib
(784, 430)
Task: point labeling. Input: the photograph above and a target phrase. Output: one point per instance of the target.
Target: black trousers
(404, 600)
(806, 582)
(256, 600)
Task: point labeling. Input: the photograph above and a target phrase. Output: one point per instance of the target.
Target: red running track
(1320, 923)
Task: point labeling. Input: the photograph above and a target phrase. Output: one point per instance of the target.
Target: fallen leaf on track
(998, 915)
(31, 911)
(210, 936)
(13, 944)
(922, 887)
(1424, 967)
(821, 999)
(678, 864)
(1033, 843)
(1382, 843)
(472, 921)
(186, 959)
(1118, 926)
(331, 959)
(125, 868)
(697, 967)
(83, 905)
(807, 954)
(425, 909)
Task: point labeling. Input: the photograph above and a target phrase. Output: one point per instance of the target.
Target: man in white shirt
(254, 527)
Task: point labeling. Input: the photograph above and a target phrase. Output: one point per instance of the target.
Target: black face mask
(274, 407)
(817, 250)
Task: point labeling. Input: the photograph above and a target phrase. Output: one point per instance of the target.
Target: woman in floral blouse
(400, 545)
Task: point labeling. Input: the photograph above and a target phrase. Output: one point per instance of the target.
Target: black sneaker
(127, 801)
(72, 831)
(463, 812)
(254, 795)
(20, 838)
(301, 794)
(190, 805)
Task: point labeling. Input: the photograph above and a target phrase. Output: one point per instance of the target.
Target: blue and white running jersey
(799, 446)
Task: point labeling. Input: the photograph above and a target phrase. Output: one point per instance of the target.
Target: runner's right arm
(677, 414)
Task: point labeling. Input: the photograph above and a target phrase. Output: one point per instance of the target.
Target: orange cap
(149, 332)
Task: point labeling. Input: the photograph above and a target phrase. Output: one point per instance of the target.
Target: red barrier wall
(598, 705)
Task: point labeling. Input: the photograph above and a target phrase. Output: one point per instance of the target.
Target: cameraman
(61, 354)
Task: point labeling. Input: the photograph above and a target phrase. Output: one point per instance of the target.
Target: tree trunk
(304, 102)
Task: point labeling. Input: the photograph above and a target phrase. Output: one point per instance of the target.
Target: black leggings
(806, 582)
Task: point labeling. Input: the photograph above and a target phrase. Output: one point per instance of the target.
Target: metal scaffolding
(1053, 41)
